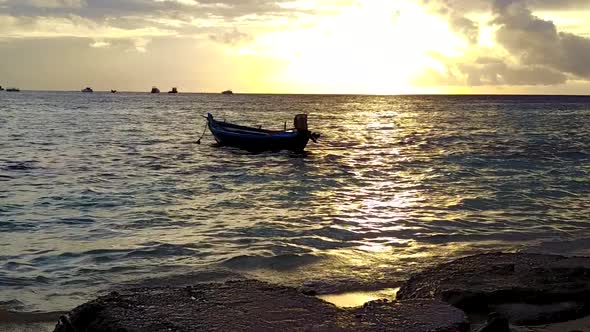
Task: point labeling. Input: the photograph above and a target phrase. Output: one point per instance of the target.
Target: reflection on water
(356, 299)
(101, 189)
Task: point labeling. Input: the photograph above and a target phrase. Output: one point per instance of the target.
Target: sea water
(99, 191)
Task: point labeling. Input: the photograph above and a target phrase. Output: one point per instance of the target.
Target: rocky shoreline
(515, 289)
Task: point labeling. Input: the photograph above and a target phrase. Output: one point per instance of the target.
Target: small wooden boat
(174, 90)
(256, 139)
(87, 90)
(227, 92)
(13, 90)
(155, 90)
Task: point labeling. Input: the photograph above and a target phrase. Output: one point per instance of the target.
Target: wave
(277, 263)
(20, 165)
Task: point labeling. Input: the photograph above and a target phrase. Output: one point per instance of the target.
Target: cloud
(224, 21)
(232, 37)
(558, 4)
(100, 44)
(538, 42)
(491, 72)
(455, 13)
(497, 72)
(502, 42)
(141, 44)
(72, 26)
(101, 9)
(528, 50)
(470, 6)
(44, 3)
(468, 28)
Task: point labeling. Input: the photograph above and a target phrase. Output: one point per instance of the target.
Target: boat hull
(257, 140)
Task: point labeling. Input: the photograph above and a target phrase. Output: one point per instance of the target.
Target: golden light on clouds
(368, 47)
(301, 46)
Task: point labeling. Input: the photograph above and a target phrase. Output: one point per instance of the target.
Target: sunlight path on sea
(98, 190)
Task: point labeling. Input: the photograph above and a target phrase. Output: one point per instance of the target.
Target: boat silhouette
(174, 90)
(227, 92)
(155, 90)
(87, 90)
(257, 139)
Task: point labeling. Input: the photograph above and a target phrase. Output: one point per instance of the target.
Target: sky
(298, 46)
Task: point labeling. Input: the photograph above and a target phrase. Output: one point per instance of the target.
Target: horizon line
(324, 94)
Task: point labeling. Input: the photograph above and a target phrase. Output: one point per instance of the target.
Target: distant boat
(256, 139)
(227, 92)
(174, 90)
(87, 90)
(1, 88)
(113, 91)
(155, 90)
(13, 90)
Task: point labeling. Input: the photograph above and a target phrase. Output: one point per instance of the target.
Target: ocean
(99, 191)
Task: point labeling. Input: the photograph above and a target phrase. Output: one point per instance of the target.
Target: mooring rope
(203, 134)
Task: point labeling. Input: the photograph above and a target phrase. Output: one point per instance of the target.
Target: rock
(249, 305)
(411, 316)
(495, 323)
(535, 314)
(481, 282)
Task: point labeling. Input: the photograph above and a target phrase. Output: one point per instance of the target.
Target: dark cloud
(536, 52)
(499, 73)
(468, 28)
(535, 41)
(101, 9)
(559, 4)
(455, 13)
(489, 71)
(470, 6)
(232, 37)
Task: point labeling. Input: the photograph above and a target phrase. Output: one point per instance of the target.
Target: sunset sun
(299, 46)
(375, 47)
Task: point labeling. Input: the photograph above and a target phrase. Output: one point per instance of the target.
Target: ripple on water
(118, 191)
(283, 262)
(25, 165)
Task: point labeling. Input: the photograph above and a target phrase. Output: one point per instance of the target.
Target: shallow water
(100, 189)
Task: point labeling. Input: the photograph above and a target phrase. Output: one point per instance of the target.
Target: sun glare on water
(373, 47)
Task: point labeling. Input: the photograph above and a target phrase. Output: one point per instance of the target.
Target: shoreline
(46, 322)
(531, 292)
(28, 321)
